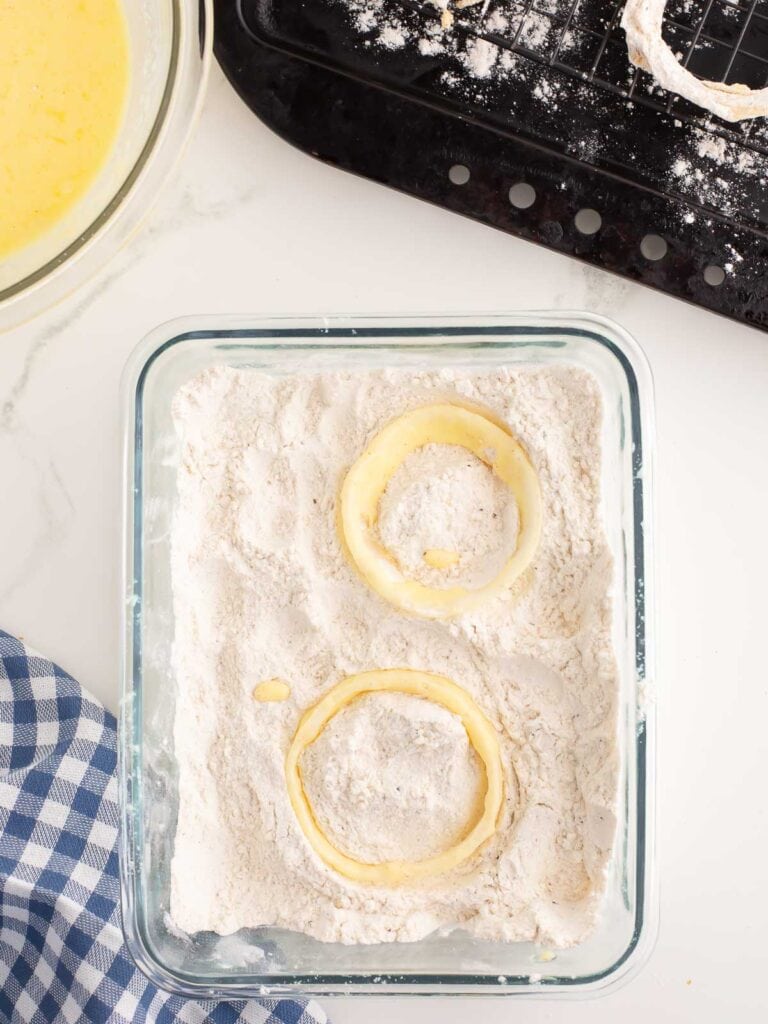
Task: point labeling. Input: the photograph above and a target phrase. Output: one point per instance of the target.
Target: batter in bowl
(63, 85)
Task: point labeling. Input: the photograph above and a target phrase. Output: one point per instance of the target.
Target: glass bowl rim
(83, 258)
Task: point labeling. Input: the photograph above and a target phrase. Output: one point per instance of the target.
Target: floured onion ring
(481, 733)
(642, 21)
(367, 480)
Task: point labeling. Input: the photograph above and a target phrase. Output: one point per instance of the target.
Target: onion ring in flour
(480, 731)
(367, 479)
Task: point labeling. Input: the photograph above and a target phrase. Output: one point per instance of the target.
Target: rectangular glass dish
(254, 961)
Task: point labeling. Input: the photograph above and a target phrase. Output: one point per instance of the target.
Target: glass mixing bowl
(170, 53)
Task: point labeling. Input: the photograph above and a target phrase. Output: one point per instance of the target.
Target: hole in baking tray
(459, 174)
(653, 247)
(522, 195)
(588, 221)
(714, 276)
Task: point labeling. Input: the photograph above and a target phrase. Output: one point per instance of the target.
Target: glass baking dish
(253, 962)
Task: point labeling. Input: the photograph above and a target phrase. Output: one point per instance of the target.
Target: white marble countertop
(250, 225)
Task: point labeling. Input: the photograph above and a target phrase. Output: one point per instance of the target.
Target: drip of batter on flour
(272, 690)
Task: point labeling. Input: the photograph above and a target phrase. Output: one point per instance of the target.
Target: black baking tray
(573, 119)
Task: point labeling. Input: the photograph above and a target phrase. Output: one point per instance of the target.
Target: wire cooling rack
(613, 170)
(720, 40)
(563, 80)
(716, 39)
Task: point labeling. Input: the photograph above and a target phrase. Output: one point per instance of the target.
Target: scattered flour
(484, 47)
(392, 37)
(716, 172)
(492, 57)
(479, 57)
(497, 22)
(430, 46)
(713, 146)
(393, 27)
(262, 589)
(536, 31)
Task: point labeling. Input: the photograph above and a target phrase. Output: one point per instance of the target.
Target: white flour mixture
(263, 590)
(394, 776)
(443, 497)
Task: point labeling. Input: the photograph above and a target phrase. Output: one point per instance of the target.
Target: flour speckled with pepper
(267, 601)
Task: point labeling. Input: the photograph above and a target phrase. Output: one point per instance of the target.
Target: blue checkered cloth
(62, 956)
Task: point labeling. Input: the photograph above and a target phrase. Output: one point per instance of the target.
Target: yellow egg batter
(64, 70)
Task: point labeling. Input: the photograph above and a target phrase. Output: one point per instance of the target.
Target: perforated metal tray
(570, 116)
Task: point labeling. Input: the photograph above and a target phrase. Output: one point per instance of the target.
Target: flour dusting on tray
(529, 67)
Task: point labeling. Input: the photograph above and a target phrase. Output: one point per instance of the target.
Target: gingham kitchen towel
(62, 956)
